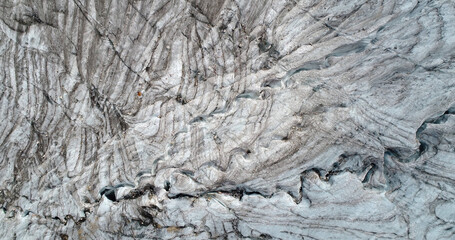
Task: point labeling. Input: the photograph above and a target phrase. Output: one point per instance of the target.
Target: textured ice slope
(227, 119)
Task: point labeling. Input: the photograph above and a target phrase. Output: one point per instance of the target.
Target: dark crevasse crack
(405, 155)
(395, 159)
(348, 162)
(237, 192)
(109, 193)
